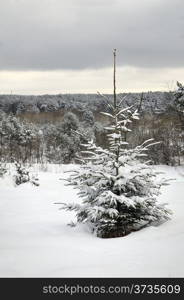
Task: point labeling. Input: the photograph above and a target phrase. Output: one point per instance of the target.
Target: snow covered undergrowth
(35, 240)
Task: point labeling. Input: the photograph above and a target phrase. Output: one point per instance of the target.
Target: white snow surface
(35, 240)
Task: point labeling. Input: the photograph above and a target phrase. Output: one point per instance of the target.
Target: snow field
(35, 240)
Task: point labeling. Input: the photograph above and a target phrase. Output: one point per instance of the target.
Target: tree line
(23, 139)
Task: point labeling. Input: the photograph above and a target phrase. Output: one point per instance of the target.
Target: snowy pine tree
(179, 97)
(117, 185)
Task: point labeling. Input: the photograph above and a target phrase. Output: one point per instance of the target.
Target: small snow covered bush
(23, 175)
(2, 169)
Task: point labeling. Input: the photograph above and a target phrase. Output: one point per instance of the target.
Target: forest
(41, 129)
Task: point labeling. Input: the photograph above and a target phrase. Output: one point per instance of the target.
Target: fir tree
(179, 97)
(118, 187)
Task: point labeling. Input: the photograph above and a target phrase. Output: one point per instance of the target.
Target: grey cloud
(80, 34)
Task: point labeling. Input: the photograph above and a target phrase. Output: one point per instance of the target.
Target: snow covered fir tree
(118, 186)
(179, 98)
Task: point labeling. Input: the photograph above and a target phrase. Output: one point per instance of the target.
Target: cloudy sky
(65, 46)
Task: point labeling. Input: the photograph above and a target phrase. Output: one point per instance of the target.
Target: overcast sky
(65, 46)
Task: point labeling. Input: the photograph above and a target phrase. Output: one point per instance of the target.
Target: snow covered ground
(36, 242)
